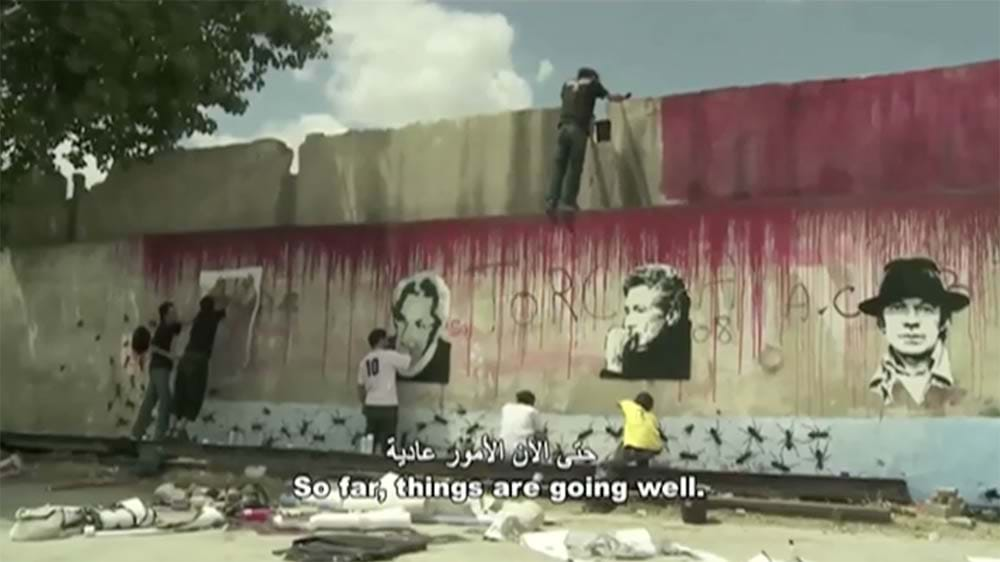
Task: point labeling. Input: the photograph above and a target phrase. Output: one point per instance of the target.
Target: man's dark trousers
(624, 460)
(157, 395)
(381, 422)
(571, 149)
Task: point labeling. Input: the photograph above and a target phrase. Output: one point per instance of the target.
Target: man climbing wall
(575, 122)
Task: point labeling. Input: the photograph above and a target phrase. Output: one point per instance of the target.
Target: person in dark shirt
(192, 370)
(161, 365)
(575, 121)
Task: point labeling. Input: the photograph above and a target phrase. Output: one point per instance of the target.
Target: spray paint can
(367, 444)
(256, 514)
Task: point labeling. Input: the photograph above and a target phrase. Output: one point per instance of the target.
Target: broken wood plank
(835, 512)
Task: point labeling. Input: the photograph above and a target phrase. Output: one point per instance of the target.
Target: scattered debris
(963, 522)
(945, 503)
(793, 557)
(392, 518)
(356, 546)
(255, 472)
(515, 519)
(11, 465)
(626, 544)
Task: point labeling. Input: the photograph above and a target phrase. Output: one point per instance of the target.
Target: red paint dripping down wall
(911, 133)
(696, 238)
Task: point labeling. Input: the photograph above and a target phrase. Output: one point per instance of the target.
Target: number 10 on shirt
(371, 366)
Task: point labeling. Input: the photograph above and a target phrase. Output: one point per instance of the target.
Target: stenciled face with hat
(913, 306)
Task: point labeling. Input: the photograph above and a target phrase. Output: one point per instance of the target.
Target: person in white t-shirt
(520, 421)
(377, 387)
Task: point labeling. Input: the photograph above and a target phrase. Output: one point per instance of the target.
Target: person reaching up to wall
(377, 374)
(161, 366)
(192, 369)
(519, 422)
(640, 443)
(575, 121)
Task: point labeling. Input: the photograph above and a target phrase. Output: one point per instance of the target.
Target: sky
(396, 62)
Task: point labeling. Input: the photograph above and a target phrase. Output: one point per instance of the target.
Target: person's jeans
(571, 148)
(157, 394)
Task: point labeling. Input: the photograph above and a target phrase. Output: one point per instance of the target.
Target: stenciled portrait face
(912, 326)
(415, 324)
(419, 312)
(644, 319)
(653, 340)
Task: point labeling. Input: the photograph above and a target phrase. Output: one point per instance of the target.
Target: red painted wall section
(918, 132)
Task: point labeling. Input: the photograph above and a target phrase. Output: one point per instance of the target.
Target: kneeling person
(641, 442)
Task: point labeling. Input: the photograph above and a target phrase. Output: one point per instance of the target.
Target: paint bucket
(694, 512)
(602, 129)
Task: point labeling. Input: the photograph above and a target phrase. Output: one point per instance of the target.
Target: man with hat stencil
(913, 310)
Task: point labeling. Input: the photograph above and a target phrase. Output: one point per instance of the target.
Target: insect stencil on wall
(715, 432)
(754, 435)
(788, 440)
(820, 456)
(815, 433)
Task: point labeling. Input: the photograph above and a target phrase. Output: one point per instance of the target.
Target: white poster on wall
(242, 288)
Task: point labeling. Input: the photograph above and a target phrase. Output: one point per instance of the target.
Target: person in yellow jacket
(641, 442)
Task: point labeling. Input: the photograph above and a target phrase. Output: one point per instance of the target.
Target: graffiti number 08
(372, 367)
(721, 330)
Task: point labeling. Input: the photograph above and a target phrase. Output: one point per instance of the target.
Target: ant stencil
(613, 431)
(688, 456)
(815, 433)
(663, 437)
(715, 431)
(744, 457)
(754, 436)
(778, 462)
(788, 439)
(582, 437)
(820, 456)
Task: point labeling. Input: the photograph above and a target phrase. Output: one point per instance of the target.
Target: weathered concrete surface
(480, 166)
(866, 136)
(36, 212)
(64, 310)
(736, 537)
(775, 331)
(237, 186)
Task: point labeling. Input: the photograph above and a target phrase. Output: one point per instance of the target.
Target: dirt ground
(732, 535)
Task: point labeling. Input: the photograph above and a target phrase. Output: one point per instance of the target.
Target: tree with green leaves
(123, 80)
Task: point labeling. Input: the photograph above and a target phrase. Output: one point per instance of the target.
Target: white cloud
(398, 62)
(545, 69)
(395, 63)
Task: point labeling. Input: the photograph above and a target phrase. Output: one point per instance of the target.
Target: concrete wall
(776, 337)
(776, 342)
(480, 166)
(920, 132)
(190, 190)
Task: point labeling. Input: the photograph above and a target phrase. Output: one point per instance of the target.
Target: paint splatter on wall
(772, 290)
